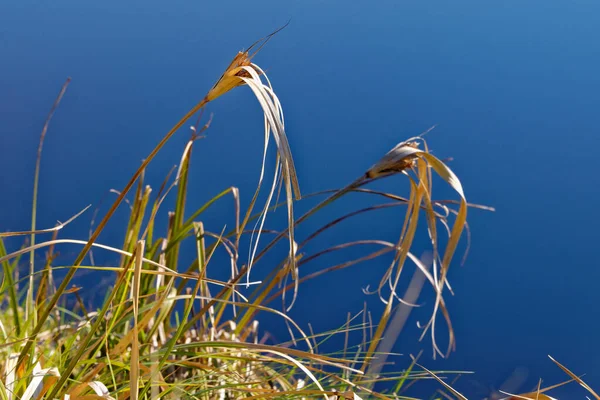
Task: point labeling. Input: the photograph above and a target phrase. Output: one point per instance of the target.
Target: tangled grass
(163, 331)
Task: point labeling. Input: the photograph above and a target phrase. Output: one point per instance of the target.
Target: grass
(165, 329)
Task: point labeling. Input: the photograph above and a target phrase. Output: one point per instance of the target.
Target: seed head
(398, 159)
(231, 78)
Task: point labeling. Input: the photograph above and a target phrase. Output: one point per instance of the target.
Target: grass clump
(166, 329)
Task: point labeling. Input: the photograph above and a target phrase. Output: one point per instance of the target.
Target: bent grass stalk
(29, 305)
(229, 80)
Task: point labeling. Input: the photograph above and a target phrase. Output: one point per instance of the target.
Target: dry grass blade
(100, 389)
(303, 368)
(528, 396)
(135, 348)
(516, 380)
(274, 122)
(58, 227)
(41, 381)
(440, 380)
(30, 306)
(576, 378)
(242, 71)
(400, 316)
(402, 250)
(404, 157)
(39, 156)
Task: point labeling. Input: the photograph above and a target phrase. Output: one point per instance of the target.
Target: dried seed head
(231, 77)
(398, 159)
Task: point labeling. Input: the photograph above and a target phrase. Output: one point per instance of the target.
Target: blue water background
(513, 87)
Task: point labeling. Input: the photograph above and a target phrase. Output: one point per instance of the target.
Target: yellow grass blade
(58, 227)
(576, 378)
(134, 370)
(450, 388)
(528, 396)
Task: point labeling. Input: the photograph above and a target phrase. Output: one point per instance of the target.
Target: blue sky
(513, 87)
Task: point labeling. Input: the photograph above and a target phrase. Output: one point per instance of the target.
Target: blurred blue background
(513, 87)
